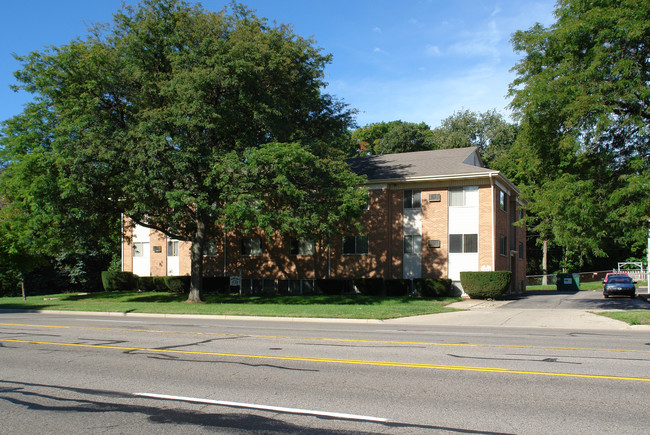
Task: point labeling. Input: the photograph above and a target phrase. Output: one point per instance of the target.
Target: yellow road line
(344, 340)
(332, 360)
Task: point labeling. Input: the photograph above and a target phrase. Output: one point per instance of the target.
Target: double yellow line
(329, 360)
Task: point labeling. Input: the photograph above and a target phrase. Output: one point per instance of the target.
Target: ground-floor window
(251, 247)
(412, 244)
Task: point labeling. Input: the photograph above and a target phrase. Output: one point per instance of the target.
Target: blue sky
(412, 60)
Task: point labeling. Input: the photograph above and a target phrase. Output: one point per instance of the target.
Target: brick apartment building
(430, 214)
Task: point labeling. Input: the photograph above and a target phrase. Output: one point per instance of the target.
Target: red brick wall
(435, 222)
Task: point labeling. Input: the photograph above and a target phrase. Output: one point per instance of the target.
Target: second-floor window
(355, 245)
(463, 243)
(412, 198)
(302, 247)
(412, 244)
(251, 247)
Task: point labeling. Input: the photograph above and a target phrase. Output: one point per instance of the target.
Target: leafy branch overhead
(183, 119)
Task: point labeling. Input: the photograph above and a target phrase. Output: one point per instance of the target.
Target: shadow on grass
(309, 300)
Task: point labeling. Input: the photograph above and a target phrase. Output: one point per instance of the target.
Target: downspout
(329, 257)
(493, 221)
(225, 251)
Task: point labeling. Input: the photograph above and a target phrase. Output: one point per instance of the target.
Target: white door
(173, 263)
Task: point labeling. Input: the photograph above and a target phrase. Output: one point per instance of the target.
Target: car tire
(606, 296)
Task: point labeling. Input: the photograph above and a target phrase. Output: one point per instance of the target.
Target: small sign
(157, 249)
(234, 281)
(568, 281)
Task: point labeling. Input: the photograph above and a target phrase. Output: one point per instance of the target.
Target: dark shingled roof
(421, 164)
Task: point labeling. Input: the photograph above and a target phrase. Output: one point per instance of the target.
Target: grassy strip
(594, 285)
(635, 317)
(317, 306)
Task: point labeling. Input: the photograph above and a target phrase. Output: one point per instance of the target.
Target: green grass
(594, 285)
(318, 306)
(635, 317)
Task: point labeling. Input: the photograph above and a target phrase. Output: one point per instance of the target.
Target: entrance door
(173, 263)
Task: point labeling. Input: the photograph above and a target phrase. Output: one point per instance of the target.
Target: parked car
(619, 285)
(613, 274)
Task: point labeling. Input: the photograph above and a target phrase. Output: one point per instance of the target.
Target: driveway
(582, 300)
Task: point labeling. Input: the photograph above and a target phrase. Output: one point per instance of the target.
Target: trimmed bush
(485, 285)
(369, 286)
(397, 287)
(176, 284)
(216, 284)
(332, 287)
(433, 287)
(114, 281)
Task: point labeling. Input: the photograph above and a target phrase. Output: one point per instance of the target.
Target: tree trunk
(545, 262)
(196, 265)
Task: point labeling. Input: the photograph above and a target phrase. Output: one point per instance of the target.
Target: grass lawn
(318, 306)
(636, 317)
(594, 285)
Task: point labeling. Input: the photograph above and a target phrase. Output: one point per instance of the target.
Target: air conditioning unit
(434, 197)
(434, 243)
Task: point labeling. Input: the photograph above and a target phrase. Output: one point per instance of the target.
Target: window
(355, 245)
(503, 203)
(210, 249)
(302, 247)
(412, 244)
(463, 196)
(138, 249)
(521, 251)
(412, 199)
(463, 243)
(366, 204)
(172, 248)
(251, 247)
(503, 246)
(520, 214)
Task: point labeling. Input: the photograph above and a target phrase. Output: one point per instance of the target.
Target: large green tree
(178, 117)
(582, 97)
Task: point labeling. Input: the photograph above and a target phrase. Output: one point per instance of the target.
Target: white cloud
(432, 50)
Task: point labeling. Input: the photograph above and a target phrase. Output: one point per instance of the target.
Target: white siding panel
(462, 263)
(463, 220)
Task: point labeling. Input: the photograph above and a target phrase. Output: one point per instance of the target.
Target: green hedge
(176, 284)
(485, 285)
(433, 287)
(397, 287)
(115, 281)
(369, 286)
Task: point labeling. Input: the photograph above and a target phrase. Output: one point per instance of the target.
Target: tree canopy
(582, 98)
(169, 113)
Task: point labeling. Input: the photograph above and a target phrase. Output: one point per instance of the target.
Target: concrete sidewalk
(497, 314)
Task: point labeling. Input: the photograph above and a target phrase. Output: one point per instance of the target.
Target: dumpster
(567, 282)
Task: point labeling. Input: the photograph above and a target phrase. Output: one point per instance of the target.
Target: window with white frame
(412, 244)
(210, 249)
(138, 249)
(412, 198)
(172, 248)
(355, 245)
(302, 247)
(251, 247)
(465, 196)
(463, 243)
(503, 200)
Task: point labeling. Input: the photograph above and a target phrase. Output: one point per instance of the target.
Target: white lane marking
(264, 407)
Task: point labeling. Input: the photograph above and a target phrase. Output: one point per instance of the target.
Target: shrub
(216, 284)
(485, 285)
(177, 284)
(369, 286)
(114, 281)
(433, 287)
(332, 287)
(397, 287)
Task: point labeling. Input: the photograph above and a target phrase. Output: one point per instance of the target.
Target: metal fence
(550, 279)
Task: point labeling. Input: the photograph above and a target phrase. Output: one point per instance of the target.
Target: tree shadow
(94, 401)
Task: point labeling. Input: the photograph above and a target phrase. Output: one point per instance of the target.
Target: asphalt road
(96, 374)
(581, 300)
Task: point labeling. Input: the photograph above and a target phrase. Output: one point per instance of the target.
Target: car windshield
(620, 279)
